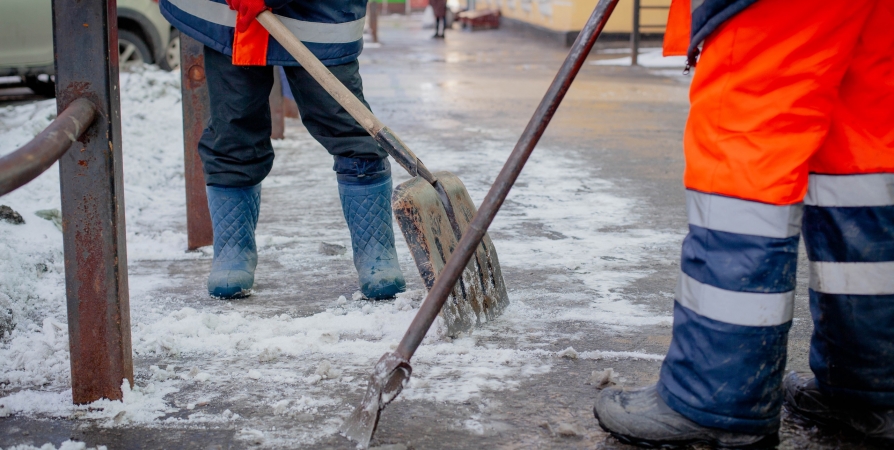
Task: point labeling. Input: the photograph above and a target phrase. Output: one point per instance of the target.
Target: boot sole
(241, 294)
(769, 441)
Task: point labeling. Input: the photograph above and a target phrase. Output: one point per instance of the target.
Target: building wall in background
(570, 15)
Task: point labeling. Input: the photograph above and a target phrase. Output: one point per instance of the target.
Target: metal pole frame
(634, 34)
(85, 36)
(277, 114)
(196, 114)
(372, 15)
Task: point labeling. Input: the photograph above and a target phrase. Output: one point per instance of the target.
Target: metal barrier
(85, 37)
(35, 157)
(195, 119)
(637, 27)
(85, 138)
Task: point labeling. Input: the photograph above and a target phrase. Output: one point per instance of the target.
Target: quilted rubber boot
(640, 417)
(367, 206)
(803, 398)
(234, 216)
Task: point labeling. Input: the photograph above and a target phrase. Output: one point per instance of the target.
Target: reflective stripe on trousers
(733, 310)
(849, 236)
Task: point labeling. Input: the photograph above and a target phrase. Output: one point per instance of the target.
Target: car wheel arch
(138, 24)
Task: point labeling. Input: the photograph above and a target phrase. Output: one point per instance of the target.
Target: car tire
(42, 88)
(132, 50)
(171, 58)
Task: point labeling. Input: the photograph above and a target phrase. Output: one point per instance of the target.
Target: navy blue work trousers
(235, 147)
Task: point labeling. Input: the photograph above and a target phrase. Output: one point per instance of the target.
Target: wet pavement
(624, 123)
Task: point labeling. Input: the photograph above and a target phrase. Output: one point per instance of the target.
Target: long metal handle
(382, 134)
(446, 280)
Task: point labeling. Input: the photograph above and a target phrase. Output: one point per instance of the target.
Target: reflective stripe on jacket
(332, 30)
(690, 22)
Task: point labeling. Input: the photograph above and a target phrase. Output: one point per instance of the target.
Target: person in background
(236, 151)
(790, 133)
(440, 9)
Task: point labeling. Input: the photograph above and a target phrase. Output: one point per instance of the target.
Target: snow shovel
(432, 210)
(393, 370)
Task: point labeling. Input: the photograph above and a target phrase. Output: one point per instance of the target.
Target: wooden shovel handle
(382, 134)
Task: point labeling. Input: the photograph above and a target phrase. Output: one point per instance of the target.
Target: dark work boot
(234, 216)
(640, 417)
(803, 398)
(366, 202)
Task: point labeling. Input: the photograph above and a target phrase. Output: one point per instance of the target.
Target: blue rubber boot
(234, 216)
(365, 190)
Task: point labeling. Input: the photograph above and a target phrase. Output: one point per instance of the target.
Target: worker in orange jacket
(790, 133)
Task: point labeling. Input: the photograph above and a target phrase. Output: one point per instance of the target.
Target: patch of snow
(140, 405)
(67, 445)
(648, 57)
(615, 356)
(568, 353)
(603, 378)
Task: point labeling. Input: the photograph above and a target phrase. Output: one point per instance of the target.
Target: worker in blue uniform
(235, 148)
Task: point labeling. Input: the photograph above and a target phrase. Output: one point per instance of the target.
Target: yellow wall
(570, 15)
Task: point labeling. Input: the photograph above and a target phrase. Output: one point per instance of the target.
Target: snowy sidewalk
(588, 240)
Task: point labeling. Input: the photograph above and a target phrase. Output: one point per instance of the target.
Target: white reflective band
(321, 33)
(874, 189)
(733, 215)
(737, 308)
(875, 278)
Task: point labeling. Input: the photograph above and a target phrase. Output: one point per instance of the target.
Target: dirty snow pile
(277, 373)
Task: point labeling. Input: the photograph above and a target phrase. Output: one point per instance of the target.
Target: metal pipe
(32, 159)
(470, 241)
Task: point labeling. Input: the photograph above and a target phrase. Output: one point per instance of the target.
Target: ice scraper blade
(433, 210)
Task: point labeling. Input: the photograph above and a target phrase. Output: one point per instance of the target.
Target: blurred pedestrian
(440, 9)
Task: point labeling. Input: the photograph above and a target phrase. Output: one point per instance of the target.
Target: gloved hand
(246, 11)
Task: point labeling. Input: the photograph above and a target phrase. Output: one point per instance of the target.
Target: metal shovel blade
(480, 294)
(388, 379)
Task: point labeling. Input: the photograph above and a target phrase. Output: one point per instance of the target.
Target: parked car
(26, 40)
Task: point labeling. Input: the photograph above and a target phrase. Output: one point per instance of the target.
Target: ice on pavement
(561, 219)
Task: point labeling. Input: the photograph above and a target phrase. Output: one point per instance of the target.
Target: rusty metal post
(85, 35)
(634, 34)
(372, 14)
(277, 113)
(195, 118)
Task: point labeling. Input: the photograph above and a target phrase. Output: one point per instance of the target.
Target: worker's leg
(364, 177)
(849, 236)
(761, 99)
(236, 155)
(235, 148)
